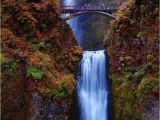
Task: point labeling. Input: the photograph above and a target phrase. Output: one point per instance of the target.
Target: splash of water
(92, 86)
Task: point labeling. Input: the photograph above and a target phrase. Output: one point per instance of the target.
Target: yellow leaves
(77, 50)
(112, 22)
(68, 81)
(124, 10)
(45, 91)
(150, 33)
(4, 58)
(58, 87)
(121, 16)
(40, 59)
(127, 4)
(50, 75)
(147, 84)
(149, 57)
(121, 58)
(24, 16)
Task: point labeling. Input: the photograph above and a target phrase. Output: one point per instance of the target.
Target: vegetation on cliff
(132, 45)
(38, 43)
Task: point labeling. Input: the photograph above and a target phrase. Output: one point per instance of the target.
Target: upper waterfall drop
(92, 86)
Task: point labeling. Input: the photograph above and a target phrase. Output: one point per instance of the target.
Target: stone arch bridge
(69, 12)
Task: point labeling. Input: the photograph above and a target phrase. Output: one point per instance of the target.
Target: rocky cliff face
(39, 61)
(132, 46)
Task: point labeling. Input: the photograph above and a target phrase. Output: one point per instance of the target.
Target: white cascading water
(92, 86)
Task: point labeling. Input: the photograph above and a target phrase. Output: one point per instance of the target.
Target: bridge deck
(79, 10)
(73, 9)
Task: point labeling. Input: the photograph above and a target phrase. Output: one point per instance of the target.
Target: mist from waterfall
(92, 86)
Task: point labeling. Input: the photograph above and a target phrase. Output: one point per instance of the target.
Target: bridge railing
(90, 7)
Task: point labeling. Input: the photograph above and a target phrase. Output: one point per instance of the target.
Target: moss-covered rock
(132, 46)
(34, 35)
(148, 85)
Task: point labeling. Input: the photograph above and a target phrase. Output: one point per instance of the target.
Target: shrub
(40, 59)
(147, 84)
(137, 70)
(10, 67)
(34, 72)
(45, 91)
(60, 91)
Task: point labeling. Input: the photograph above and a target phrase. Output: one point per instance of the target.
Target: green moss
(126, 91)
(60, 91)
(12, 68)
(75, 59)
(128, 110)
(120, 79)
(147, 84)
(42, 59)
(118, 42)
(135, 75)
(126, 73)
(45, 90)
(34, 72)
(43, 26)
(9, 67)
(125, 99)
(136, 70)
(74, 64)
(41, 46)
(4, 58)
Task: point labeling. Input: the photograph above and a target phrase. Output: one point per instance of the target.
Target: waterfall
(92, 86)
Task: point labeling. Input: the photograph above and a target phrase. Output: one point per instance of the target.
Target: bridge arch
(88, 12)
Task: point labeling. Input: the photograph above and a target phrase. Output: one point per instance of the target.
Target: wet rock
(44, 109)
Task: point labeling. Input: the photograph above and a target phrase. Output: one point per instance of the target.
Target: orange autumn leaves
(33, 32)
